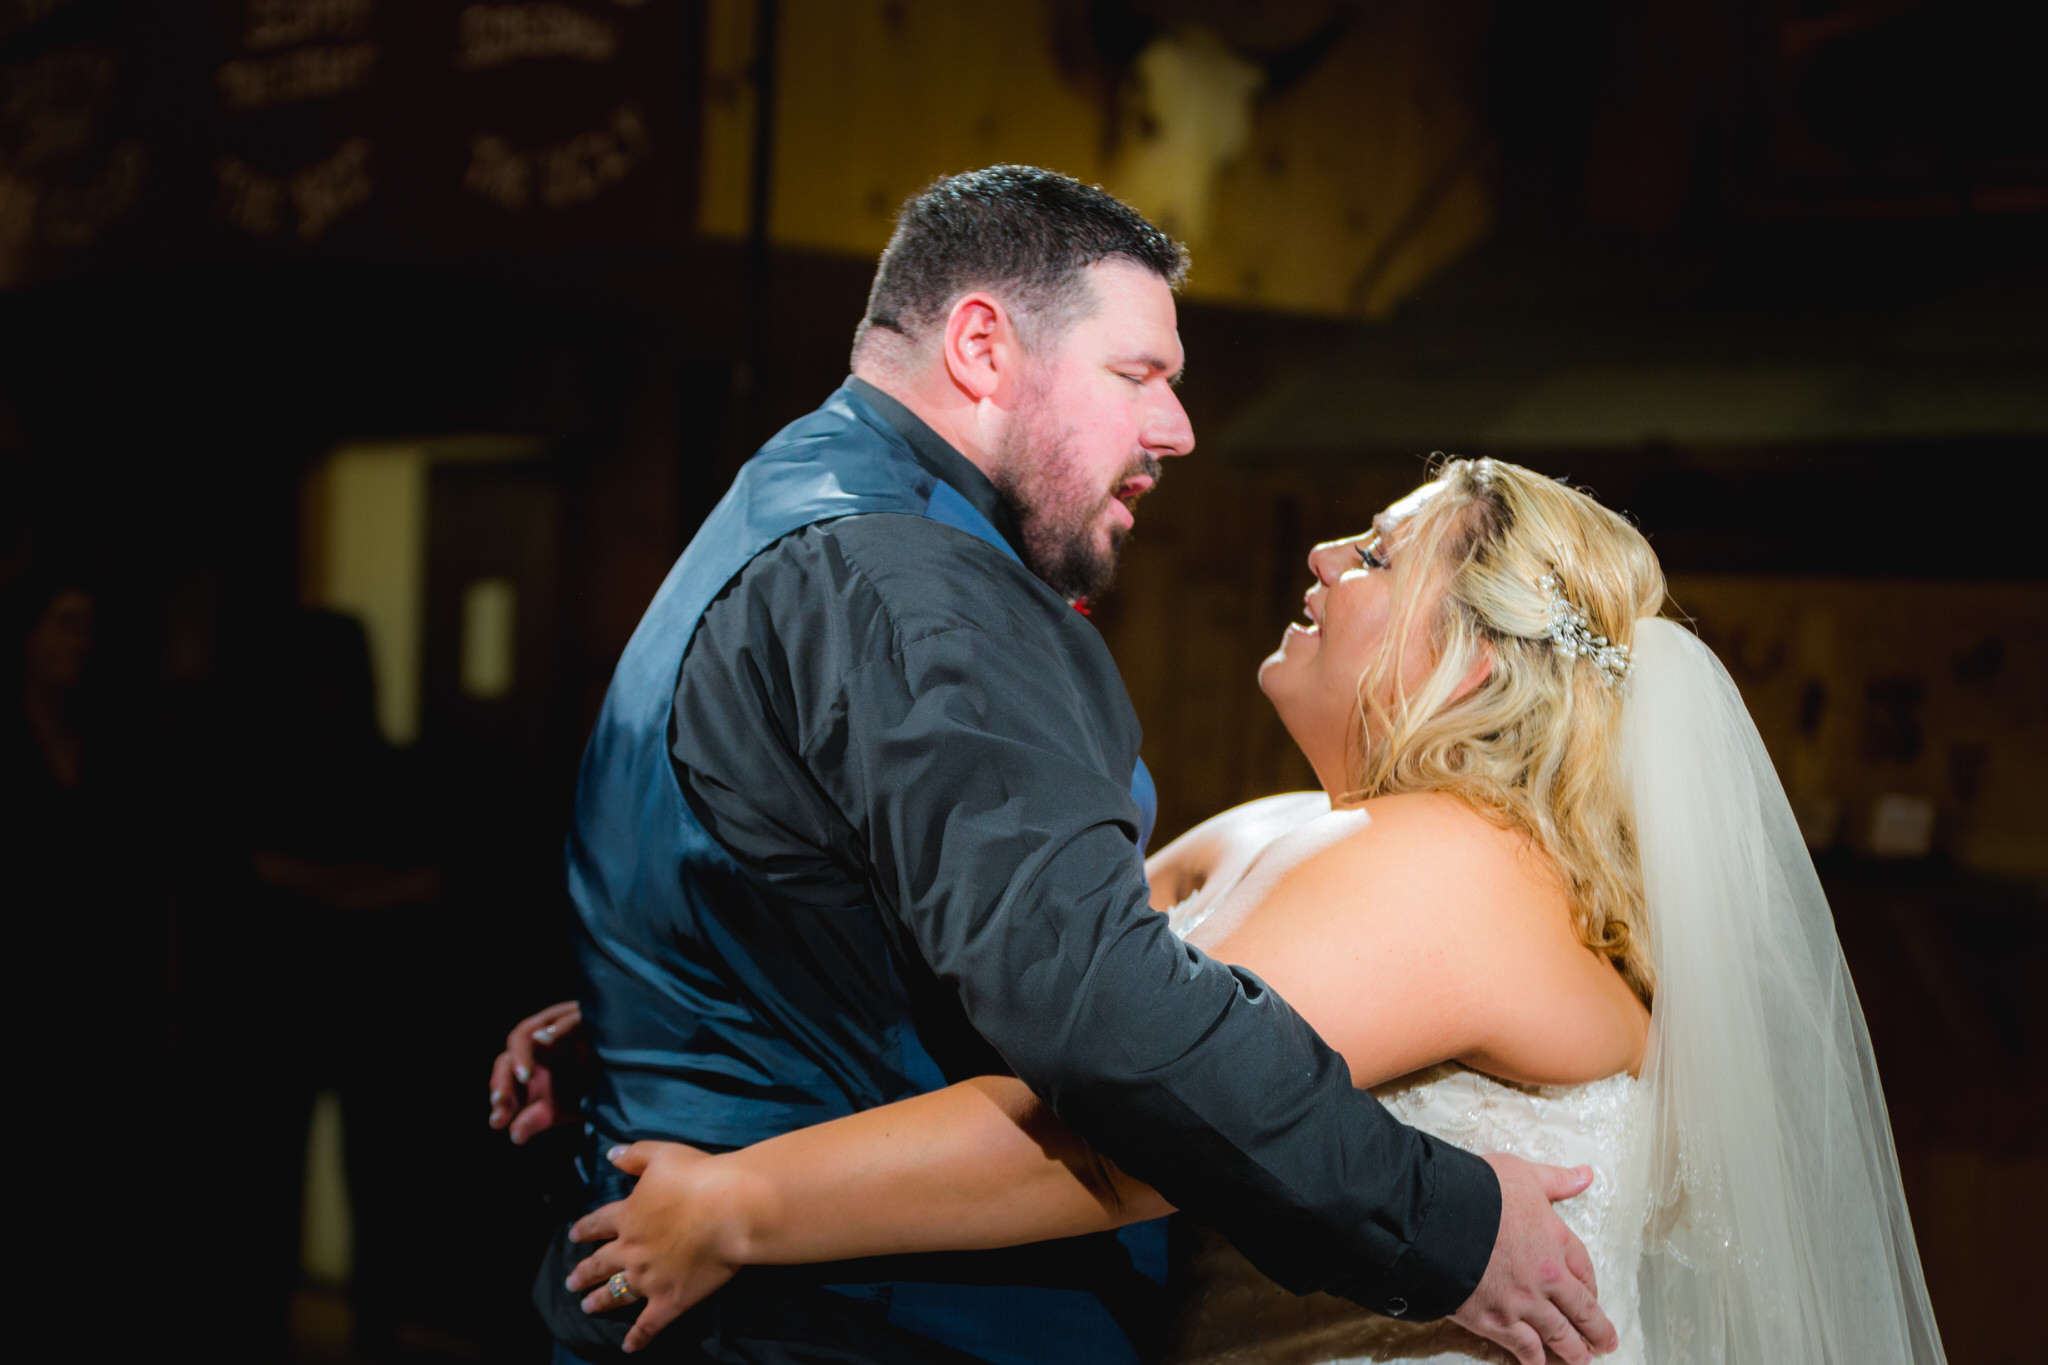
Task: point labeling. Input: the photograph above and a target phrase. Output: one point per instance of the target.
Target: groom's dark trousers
(862, 816)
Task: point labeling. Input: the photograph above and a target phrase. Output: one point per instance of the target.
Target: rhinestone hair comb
(1575, 639)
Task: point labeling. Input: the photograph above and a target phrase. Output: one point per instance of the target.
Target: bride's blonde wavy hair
(1534, 747)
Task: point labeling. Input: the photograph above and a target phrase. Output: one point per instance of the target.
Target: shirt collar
(936, 454)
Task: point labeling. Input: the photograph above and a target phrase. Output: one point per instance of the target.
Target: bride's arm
(976, 1165)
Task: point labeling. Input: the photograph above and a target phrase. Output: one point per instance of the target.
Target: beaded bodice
(1235, 1316)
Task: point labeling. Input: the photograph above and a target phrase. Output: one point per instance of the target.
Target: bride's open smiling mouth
(1314, 623)
(1301, 630)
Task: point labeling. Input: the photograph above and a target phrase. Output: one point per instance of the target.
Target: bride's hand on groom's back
(677, 1238)
(1539, 1293)
(536, 1079)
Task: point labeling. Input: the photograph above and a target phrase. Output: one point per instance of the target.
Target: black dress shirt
(881, 715)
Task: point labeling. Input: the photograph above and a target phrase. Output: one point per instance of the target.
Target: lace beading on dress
(1235, 1316)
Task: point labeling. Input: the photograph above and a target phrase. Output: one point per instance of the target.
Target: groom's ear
(1479, 672)
(980, 348)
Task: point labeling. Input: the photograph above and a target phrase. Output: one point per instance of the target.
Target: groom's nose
(1167, 431)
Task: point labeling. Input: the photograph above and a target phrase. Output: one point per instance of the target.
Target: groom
(863, 815)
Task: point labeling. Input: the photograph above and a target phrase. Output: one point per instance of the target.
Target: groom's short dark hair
(1021, 233)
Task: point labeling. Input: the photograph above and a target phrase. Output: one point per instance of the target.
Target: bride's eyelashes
(1369, 554)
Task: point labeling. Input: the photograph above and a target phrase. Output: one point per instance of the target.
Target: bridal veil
(1775, 1229)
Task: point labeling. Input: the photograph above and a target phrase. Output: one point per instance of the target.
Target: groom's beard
(1058, 506)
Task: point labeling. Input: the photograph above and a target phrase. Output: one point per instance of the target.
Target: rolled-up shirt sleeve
(982, 782)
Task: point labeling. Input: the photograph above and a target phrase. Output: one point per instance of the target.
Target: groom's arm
(1015, 867)
(982, 757)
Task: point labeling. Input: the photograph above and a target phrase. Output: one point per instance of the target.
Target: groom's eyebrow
(1162, 366)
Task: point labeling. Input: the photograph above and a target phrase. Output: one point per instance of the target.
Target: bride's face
(1352, 608)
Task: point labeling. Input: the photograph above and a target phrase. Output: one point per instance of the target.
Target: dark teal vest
(697, 1040)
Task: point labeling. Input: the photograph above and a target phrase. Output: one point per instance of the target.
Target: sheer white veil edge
(1775, 1229)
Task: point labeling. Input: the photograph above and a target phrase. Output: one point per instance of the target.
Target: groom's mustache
(1139, 478)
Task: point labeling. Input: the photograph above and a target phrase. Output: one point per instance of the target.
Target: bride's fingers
(504, 1095)
(557, 1023)
(599, 1224)
(657, 1316)
(594, 1269)
(602, 1300)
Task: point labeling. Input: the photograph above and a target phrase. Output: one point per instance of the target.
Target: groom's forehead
(1133, 309)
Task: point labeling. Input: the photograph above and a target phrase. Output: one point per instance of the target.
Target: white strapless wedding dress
(1754, 1159)
(1233, 1315)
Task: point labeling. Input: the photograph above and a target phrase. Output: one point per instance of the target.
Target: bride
(1550, 901)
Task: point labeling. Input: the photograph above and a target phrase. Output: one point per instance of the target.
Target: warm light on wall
(1337, 191)
(489, 616)
(327, 1231)
(364, 521)
(371, 563)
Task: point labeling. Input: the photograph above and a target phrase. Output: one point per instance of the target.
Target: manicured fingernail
(544, 1035)
(570, 1282)
(497, 1098)
(628, 1347)
(523, 1074)
(518, 1138)
(615, 1153)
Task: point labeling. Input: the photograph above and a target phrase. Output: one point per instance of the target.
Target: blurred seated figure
(51, 638)
(335, 821)
(64, 781)
(88, 910)
(326, 971)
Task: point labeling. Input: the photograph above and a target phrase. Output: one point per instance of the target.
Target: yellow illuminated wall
(1336, 195)
(364, 533)
(368, 538)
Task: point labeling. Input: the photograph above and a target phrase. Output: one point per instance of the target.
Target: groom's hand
(533, 1081)
(1538, 1293)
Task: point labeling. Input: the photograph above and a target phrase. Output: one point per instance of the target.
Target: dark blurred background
(364, 364)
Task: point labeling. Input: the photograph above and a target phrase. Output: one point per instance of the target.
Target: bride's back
(1229, 1314)
(1437, 951)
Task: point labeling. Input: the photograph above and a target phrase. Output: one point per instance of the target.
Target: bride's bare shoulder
(1555, 1013)
(1439, 811)
(1463, 928)
(1430, 833)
